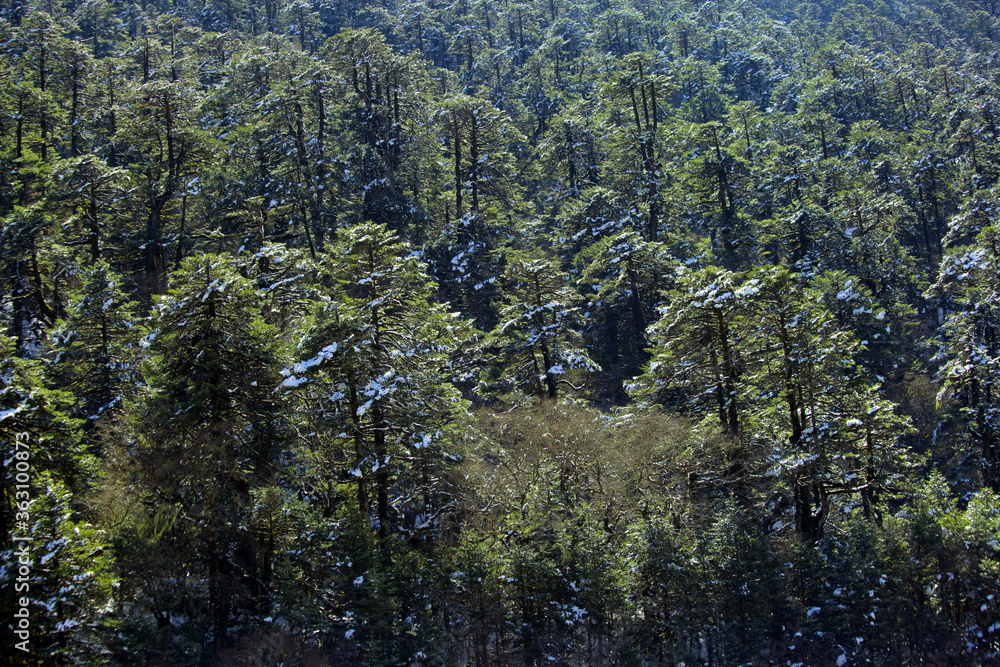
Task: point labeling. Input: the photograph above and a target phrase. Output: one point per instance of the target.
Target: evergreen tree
(165, 149)
(969, 342)
(377, 387)
(698, 344)
(537, 339)
(624, 276)
(94, 349)
(68, 584)
(831, 416)
(202, 440)
(94, 195)
(467, 255)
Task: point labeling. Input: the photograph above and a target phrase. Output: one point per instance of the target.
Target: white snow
(324, 354)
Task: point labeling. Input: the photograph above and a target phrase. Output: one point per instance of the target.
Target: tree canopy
(522, 332)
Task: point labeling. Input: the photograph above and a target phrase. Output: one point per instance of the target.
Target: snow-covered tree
(968, 285)
(375, 386)
(830, 431)
(697, 344)
(538, 342)
(623, 276)
(204, 434)
(94, 349)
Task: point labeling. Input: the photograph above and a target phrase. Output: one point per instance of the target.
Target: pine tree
(698, 344)
(69, 585)
(164, 150)
(94, 195)
(205, 434)
(537, 340)
(639, 90)
(970, 341)
(623, 275)
(840, 435)
(378, 388)
(94, 349)
(467, 258)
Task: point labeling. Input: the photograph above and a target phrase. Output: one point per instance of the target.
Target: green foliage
(69, 583)
(72, 583)
(536, 340)
(956, 558)
(969, 340)
(623, 275)
(376, 389)
(696, 344)
(720, 259)
(202, 446)
(29, 406)
(94, 348)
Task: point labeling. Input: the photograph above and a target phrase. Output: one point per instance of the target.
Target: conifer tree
(69, 582)
(467, 255)
(698, 344)
(836, 427)
(95, 348)
(203, 438)
(970, 341)
(537, 339)
(377, 385)
(623, 275)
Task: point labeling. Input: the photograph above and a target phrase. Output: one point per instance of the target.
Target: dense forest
(500, 332)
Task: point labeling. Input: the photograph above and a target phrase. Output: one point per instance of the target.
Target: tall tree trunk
(381, 478)
(457, 140)
(474, 164)
(728, 376)
(364, 503)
